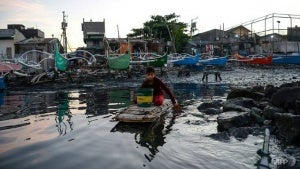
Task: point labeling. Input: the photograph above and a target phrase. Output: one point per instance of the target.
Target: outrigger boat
(137, 114)
(293, 58)
(119, 62)
(150, 59)
(254, 59)
(183, 59)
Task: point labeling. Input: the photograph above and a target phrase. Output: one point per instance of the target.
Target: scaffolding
(274, 23)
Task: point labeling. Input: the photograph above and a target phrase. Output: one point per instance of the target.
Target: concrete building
(29, 32)
(93, 36)
(8, 38)
(220, 43)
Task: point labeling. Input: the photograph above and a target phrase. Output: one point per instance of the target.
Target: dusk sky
(47, 16)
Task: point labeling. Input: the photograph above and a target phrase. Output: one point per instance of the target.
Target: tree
(164, 27)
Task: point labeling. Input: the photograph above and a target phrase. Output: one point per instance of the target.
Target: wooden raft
(135, 114)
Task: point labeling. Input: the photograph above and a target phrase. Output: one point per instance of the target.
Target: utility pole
(193, 26)
(64, 25)
(172, 41)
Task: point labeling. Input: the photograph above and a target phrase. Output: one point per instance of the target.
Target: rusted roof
(38, 40)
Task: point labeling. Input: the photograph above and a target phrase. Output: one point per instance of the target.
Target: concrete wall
(9, 45)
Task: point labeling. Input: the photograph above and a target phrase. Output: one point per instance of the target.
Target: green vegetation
(165, 27)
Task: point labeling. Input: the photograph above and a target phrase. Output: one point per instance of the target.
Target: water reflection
(118, 98)
(148, 135)
(196, 90)
(2, 94)
(63, 112)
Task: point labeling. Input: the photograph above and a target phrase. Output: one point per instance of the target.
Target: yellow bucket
(144, 97)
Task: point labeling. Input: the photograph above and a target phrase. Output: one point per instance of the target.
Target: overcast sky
(47, 16)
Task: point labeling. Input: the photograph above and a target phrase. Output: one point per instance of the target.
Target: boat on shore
(183, 59)
(150, 59)
(293, 58)
(212, 60)
(118, 62)
(254, 59)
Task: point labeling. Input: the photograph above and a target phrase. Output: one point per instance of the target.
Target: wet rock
(241, 132)
(288, 126)
(212, 108)
(230, 119)
(239, 104)
(293, 84)
(212, 111)
(257, 115)
(213, 104)
(263, 104)
(287, 98)
(248, 93)
(220, 136)
(270, 90)
(270, 110)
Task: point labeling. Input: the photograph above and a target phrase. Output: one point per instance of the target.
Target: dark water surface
(74, 128)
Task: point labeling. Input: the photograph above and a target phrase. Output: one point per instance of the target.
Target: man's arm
(167, 90)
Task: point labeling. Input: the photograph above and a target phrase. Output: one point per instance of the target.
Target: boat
(254, 59)
(150, 59)
(119, 62)
(183, 59)
(293, 58)
(213, 60)
(159, 61)
(137, 114)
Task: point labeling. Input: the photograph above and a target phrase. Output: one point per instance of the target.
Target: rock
(212, 111)
(245, 93)
(263, 104)
(230, 119)
(212, 108)
(221, 136)
(216, 104)
(288, 126)
(241, 132)
(270, 90)
(239, 104)
(257, 115)
(287, 98)
(270, 110)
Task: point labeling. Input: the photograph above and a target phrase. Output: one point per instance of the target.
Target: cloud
(29, 13)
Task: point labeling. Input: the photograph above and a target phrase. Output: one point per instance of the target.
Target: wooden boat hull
(119, 63)
(153, 61)
(135, 114)
(193, 60)
(286, 59)
(159, 62)
(218, 61)
(254, 60)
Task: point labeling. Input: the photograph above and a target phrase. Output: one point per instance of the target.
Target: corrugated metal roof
(7, 33)
(39, 40)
